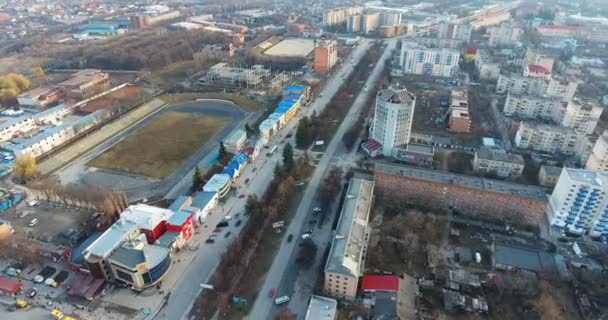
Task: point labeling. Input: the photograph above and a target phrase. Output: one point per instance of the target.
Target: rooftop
(217, 181)
(82, 76)
(587, 176)
(321, 308)
(523, 258)
(346, 253)
(488, 154)
(396, 95)
(201, 199)
(541, 126)
(146, 216)
(235, 136)
(111, 238)
(35, 93)
(179, 218)
(559, 27)
(534, 68)
(419, 148)
(473, 182)
(551, 170)
(180, 202)
(380, 282)
(460, 113)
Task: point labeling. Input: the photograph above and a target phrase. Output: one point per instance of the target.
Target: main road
(200, 269)
(277, 272)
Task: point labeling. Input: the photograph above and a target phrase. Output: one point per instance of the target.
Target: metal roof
(524, 258)
(130, 257)
(321, 308)
(179, 218)
(146, 216)
(179, 203)
(111, 238)
(201, 199)
(217, 182)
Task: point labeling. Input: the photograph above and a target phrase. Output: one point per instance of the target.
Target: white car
(33, 222)
(38, 279)
(306, 236)
(281, 300)
(316, 209)
(227, 218)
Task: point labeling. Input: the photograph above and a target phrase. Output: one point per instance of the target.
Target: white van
(33, 203)
(281, 300)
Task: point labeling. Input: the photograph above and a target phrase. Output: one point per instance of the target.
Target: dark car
(247, 181)
(238, 223)
(222, 224)
(289, 237)
(32, 293)
(210, 241)
(227, 234)
(289, 135)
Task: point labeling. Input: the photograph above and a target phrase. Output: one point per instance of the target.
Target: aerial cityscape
(303, 160)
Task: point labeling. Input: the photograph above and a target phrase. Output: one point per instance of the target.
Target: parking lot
(45, 222)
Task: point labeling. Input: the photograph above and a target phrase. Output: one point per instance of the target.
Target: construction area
(291, 47)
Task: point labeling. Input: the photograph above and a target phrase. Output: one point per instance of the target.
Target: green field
(159, 148)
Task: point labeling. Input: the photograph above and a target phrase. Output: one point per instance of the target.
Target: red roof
(471, 50)
(372, 145)
(380, 282)
(534, 68)
(10, 286)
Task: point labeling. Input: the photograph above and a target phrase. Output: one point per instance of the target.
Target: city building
(179, 231)
(389, 296)
(548, 175)
(325, 55)
(200, 205)
(370, 22)
(582, 115)
(335, 16)
(39, 98)
(219, 183)
(393, 116)
(497, 162)
(546, 138)
(321, 308)
(487, 67)
(123, 254)
(534, 57)
(437, 62)
(150, 220)
(14, 127)
(236, 165)
(353, 24)
(598, 159)
(490, 20)
(456, 31)
(468, 195)
(536, 71)
(219, 51)
(390, 18)
(579, 203)
(153, 15)
(505, 35)
(248, 77)
(555, 87)
(235, 142)
(346, 260)
(85, 83)
(560, 31)
(459, 121)
(415, 154)
(562, 88)
(534, 107)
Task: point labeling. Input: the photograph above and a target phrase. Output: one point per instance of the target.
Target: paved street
(276, 276)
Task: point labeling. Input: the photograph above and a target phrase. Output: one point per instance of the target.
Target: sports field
(160, 147)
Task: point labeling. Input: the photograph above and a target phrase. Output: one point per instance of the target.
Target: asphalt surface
(138, 186)
(282, 274)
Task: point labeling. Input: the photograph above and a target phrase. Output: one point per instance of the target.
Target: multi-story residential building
(561, 88)
(536, 71)
(582, 115)
(579, 203)
(456, 31)
(370, 22)
(353, 24)
(501, 163)
(546, 138)
(335, 16)
(535, 57)
(534, 107)
(390, 18)
(346, 260)
(560, 31)
(460, 120)
(85, 83)
(506, 35)
(415, 59)
(486, 66)
(393, 116)
(326, 55)
(469, 195)
(490, 20)
(548, 175)
(598, 159)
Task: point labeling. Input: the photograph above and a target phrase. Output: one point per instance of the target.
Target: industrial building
(461, 193)
(435, 62)
(39, 98)
(325, 55)
(501, 163)
(346, 260)
(85, 83)
(393, 116)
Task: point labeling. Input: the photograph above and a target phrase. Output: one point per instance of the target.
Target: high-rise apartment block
(546, 138)
(501, 163)
(534, 107)
(598, 159)
(563, 89)
(326, 55)
(505, 35)
(579, 203)
(434, 62)
(335, 16)
(393, 116)
(582, 115)
(455, 31)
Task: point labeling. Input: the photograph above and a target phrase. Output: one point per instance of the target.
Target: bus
(272, 151)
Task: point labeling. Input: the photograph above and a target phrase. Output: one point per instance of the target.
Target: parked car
(217, 230)
(238, 223)
(210, 241)
(222, 224)
(316, 209)
(241, 196)
(271, 292)
(33, 222)
(289, 237)
(33, 203)
(247, 181)
(281, 300)
(32, 293)
(227, 234)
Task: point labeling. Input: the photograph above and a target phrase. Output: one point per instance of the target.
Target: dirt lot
(124, 97)
(160, 147)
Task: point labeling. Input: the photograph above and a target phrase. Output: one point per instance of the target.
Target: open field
(159, 148)
(124, 97)
(243, 101)
(293, 47)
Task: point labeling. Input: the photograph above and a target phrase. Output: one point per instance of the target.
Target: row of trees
(240, 256)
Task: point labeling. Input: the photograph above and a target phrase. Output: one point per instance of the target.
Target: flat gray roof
(509, 188)
(111, 238)
(346, 251)
(321, 308)
(524, 258)
(201, 199)
(488, 154)
(552, 170)
(589, 176)
(420, 148)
